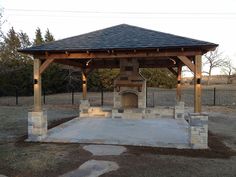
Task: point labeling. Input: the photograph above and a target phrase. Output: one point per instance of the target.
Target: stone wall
(198, 130)
(143, 113)
(84, 108)
(179, 110)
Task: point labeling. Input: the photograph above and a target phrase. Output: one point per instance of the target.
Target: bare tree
(73, 75)
(214, 60)
(228, 69)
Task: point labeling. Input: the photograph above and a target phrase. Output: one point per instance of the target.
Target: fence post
(102, 95)
(16, 96)
(153, 99)
(72, 96)
(44, 96)
(214, 99)
(146, 95)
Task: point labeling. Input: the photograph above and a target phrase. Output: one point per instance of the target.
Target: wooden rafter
(173, 71)
(187, 62)
(45, 64)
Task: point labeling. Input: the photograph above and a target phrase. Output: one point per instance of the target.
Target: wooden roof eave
(119, 54)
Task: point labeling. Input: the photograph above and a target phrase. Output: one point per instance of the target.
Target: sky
(208, 20)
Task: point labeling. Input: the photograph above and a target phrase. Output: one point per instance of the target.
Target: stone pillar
(179, 110)
(84, 108)
(37, 120)
(198, 130)
(37, 125)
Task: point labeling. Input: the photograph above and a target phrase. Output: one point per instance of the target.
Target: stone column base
(179, 110)
(37, 125)
(198, 130)
(84, 108)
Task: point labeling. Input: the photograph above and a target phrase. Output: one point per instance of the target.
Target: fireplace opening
(129, 100)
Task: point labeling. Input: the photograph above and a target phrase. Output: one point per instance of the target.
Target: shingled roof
(120, 37)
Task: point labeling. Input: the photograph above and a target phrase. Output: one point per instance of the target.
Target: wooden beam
(111, 63)
(69, 62)
(197, 84)
(187, 62)
(128, 54)
(37, 86)
(128, 85)
(178, 89)
(45, 64)
(173, 71)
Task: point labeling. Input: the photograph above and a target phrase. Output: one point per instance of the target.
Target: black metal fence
(210, 97)
(155, 97)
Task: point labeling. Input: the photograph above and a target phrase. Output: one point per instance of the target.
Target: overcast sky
(209, 20)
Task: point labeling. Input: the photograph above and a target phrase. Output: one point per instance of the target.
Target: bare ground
(21, 159)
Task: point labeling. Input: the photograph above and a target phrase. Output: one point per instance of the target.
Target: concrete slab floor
(161, 132)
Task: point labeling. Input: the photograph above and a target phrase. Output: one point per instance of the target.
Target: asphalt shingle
(120, 37)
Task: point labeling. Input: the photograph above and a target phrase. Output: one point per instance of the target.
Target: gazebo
(128, 48)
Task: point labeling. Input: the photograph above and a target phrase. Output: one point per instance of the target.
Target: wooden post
(84, 84)
(178, 89)
(37, 86)
(72, 96)
(197, 83)
(102, 98)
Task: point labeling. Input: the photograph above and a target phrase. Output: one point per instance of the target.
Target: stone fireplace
(129, 88)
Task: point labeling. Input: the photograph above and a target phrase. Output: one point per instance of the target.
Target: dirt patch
(217, 149)
(37, 160)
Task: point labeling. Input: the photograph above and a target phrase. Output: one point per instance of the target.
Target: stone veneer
(143, 113)
(198, 130)
(179, 110)
(129, 81)
(84, 108)
(37, 125)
